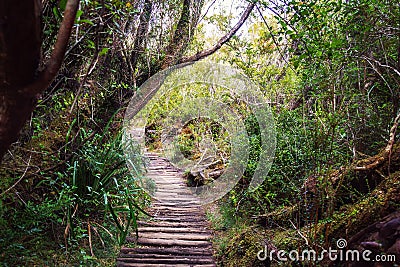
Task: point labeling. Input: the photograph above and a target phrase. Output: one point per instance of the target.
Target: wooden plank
(181, 236)
(164, 198)
(159, 203)
(173, 193)
(173, 230)
(180, 209)
(178, 219)
(175, 260)
(168, 251)
(170, 242)
(173, 224)
(126, 264)
(178, 202)
(178, 214)
(124, 256)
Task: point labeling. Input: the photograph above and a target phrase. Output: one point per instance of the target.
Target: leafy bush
(100, 178)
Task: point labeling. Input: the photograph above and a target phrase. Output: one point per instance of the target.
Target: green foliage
(331, 70)
(100, 178)
(196, 132)
(345, 75)
(68, 165)
(95, 191)
(337, 61)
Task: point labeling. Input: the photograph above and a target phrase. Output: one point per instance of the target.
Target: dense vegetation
(329, 69)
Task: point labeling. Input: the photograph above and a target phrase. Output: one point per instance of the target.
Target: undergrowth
(80, 214)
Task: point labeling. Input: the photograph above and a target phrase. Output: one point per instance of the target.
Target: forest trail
(178, 234)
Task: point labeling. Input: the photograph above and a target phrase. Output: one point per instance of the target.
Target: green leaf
(91, 44)
(88, 21)
(103, 51)
(56, 13)
(78, 14)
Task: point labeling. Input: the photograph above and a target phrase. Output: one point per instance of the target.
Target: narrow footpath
(178, 234)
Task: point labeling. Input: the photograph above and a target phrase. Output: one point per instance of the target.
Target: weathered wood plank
(168, 251)
(170, 242)
(175, 260)
(123, 264)
(173, 230)
(184, 236)
(173, 224)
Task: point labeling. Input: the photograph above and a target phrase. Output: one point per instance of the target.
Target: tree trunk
(21, 80)
(20, 42)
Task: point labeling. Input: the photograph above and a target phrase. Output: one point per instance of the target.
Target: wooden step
(126, 264)
(177, 209)
(178, 219)
(182, 236)
(173, 230)
(181, 215)
(167, 251)
(169, 243)
(173, 224)
(168, 260)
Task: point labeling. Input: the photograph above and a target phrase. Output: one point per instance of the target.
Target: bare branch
(388, 149)
(57, 56)
(381, 65)
(274, 39)
(20, 179)
(208, 9)
(156, 84)
(221, 41)
(392, 134)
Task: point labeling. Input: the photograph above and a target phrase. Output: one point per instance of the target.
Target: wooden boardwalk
(178, 234)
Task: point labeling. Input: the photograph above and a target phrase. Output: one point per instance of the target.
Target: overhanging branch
(223, 40)
(147, 95)
(57, 56)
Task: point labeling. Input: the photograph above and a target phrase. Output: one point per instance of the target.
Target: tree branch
(386, 153)
(57, 56)
(274, 39)
(221, 41)
(381, 65)
(152, 89)
(20, 179)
